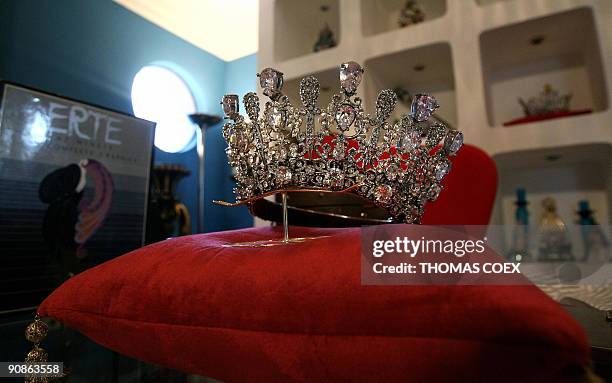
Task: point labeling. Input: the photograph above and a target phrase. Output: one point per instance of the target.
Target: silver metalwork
(398, 166)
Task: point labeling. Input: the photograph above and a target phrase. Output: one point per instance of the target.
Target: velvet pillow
(298, 313)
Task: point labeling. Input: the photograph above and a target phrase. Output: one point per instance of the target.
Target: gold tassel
(35, 333)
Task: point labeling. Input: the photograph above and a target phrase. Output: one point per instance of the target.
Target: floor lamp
(204, 121)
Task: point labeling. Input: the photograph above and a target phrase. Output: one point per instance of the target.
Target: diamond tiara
(396, 165)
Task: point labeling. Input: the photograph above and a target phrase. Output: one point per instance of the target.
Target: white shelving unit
(477, 57)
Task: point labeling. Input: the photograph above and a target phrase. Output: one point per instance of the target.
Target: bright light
(160, 95)
(39, 127)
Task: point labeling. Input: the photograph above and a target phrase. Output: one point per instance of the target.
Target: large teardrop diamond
(423, 106)
(453, 142)
(350, 76)
(345, 116)
(271, 81)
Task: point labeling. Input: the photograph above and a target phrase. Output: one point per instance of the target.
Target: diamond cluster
(398, 166)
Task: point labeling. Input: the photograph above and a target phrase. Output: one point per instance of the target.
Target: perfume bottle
(596, 245)
(553, 238)
(519, 250)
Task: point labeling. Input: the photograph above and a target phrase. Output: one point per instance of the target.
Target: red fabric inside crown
(298, 313)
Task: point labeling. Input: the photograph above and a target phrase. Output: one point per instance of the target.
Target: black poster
(74, 182)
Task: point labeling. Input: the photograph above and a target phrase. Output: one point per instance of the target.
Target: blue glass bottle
(596, 245)
(520, 234)
(522, 215)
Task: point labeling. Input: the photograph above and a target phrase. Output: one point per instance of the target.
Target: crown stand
(285, 218)
(276, 242)
(285, 214)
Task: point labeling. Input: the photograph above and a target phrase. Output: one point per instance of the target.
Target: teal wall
(91, 49)
(240, 78)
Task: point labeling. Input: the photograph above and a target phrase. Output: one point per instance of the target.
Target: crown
(398, 166)
(549, 101)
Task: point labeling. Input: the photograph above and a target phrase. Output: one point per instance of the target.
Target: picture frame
(74, 189)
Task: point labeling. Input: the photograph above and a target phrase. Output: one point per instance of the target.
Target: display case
(538, 52)
(478, 57)
(567, 174)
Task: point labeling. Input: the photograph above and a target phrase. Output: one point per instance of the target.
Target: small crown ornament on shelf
(410, 14)
(548, 101)
(398, 166)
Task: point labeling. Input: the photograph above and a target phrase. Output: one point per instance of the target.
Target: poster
(74, 181)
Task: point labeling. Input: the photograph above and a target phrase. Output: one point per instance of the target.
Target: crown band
(398, 166)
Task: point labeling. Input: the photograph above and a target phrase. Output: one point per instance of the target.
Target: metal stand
(285, 218)
(275, 242)
(204, 121)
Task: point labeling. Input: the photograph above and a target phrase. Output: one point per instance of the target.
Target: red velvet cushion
(469, 191)
(298, 313)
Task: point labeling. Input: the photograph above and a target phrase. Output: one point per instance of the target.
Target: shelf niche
(297, 24)
(568, 174)
(427, 69)
(539, 52)
(378, 16)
